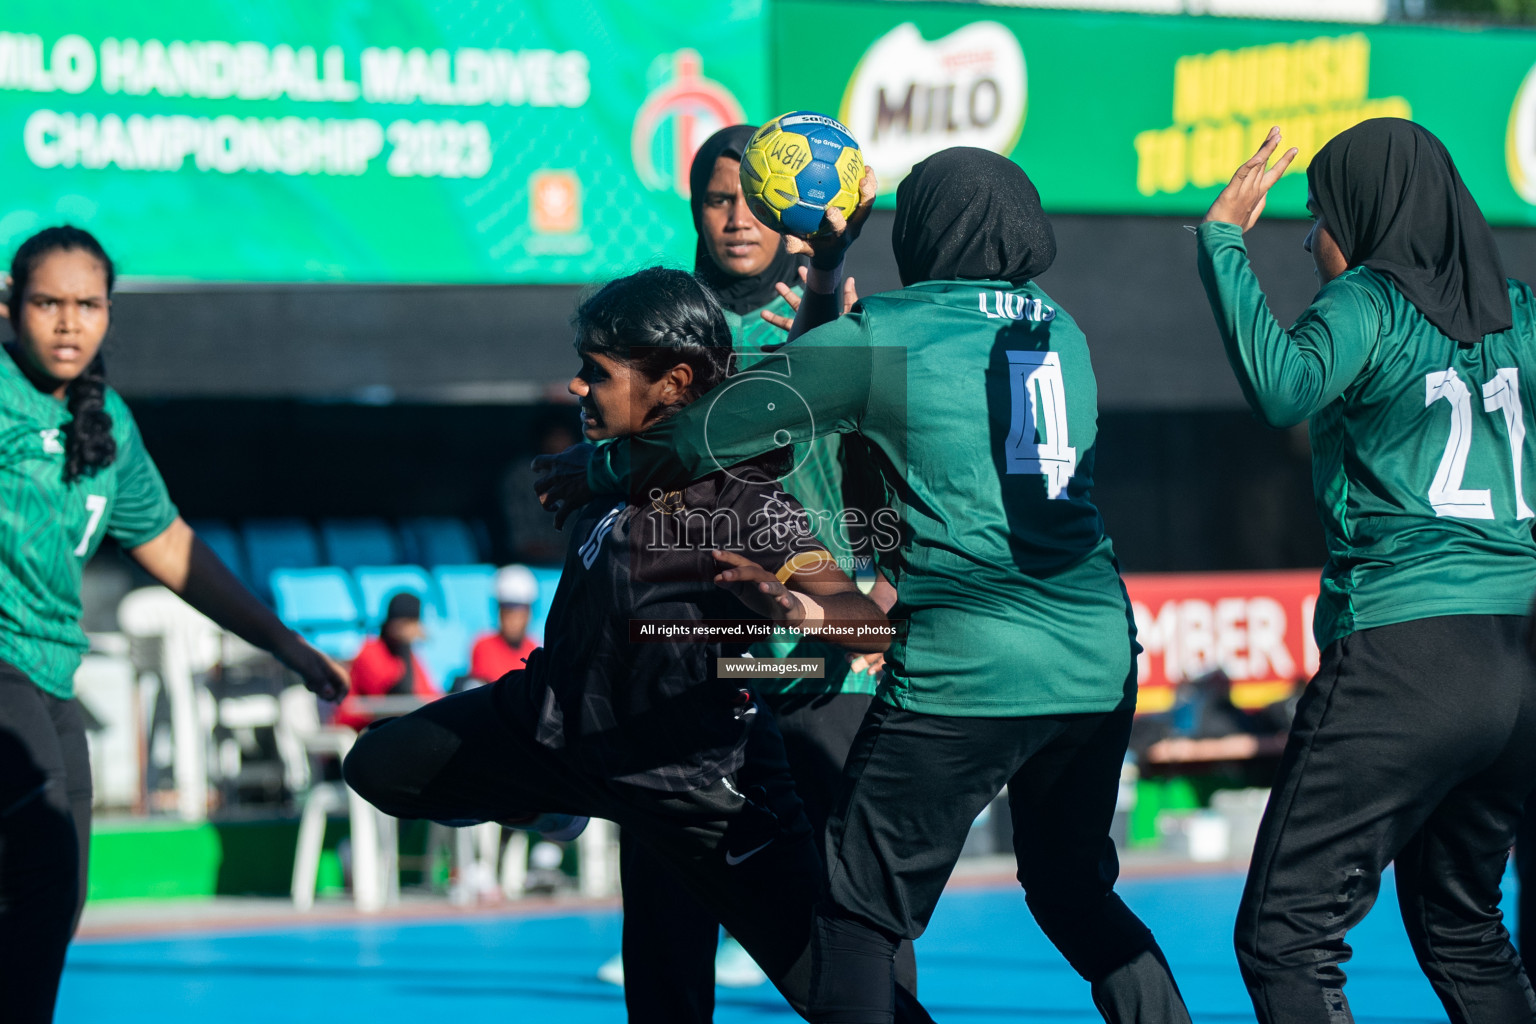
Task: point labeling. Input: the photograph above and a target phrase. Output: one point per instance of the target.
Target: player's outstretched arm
(809, 593)
(1286, 375)
(178, 559)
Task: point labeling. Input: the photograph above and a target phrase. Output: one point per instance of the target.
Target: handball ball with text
(798, 165)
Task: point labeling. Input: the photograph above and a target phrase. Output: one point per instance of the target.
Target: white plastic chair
(598, 849)
(482, 868)
(482, 865)
(375, 838)
(189, 643)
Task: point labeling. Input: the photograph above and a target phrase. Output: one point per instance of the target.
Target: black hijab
(1392, 199)
(970, 214)
(740, 295)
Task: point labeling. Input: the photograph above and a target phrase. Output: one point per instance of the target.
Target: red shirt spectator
(493, 657)
(496, 654)
(386, 664)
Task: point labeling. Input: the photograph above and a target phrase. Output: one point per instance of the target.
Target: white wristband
(815, 614)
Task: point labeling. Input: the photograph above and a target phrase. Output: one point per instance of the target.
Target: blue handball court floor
(982, 961)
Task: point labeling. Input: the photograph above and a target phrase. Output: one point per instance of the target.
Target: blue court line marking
(982, 961)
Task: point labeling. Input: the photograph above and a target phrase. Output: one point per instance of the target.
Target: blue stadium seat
(377, 583)
(445, 651)
(350, 543)
(224, 542)
(433, 541)
(322, 605)
(272, 544)
(469, 597)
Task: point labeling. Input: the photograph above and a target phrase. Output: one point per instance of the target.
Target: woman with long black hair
(73, 470)
(1415, 743)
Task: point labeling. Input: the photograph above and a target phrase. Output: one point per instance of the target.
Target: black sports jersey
(653, 713)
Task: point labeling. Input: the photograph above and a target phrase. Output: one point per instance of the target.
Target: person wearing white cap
(496, 654)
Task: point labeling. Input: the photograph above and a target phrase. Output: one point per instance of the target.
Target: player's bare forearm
(843, 606)
(852, 622)
(883, 593)
(811, 594)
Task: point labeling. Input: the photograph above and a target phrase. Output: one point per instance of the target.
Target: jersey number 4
(1037, 432)
(1446, 494)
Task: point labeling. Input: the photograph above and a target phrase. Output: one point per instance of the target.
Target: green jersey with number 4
(1420, 460)
(978, 403)
(49, 529)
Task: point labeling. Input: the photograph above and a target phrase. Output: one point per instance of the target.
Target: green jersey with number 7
(49, 529)
(979, 403)
(1421, 463)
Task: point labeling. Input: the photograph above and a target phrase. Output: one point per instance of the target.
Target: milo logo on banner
(909, 98)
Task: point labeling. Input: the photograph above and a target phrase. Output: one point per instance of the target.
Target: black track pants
(741, 846)
(669, 938)
(913, 785)
(1525, 867)
(45, 833)
(1416, 742)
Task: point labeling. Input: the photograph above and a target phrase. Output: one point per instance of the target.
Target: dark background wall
(323, 401)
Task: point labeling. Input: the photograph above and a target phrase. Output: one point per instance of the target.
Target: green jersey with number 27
(978, 404)
(49, 529)
(1421, 446)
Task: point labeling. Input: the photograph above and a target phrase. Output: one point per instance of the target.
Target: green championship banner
(1151, 114)
(404, 141)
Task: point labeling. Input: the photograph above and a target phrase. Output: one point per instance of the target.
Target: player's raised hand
(837, 232)
(757, 588)
(562, 486)
(784, 323)
(1243, 199)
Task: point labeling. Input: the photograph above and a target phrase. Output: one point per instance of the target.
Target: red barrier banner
(1255, 626)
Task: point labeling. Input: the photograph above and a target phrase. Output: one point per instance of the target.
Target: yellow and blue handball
(798, 165)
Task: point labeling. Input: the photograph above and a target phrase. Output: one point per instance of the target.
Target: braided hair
(654, 319)
(88, 442)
